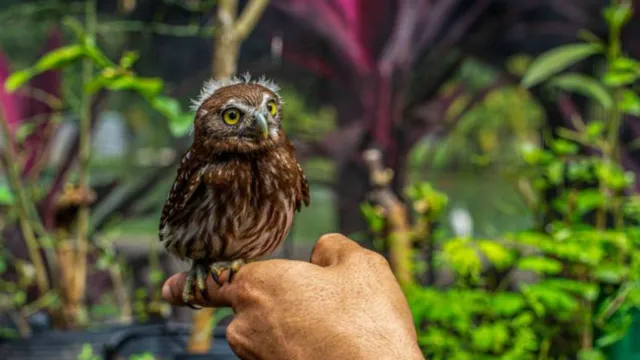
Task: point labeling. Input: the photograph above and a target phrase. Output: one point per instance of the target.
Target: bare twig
(248, 19)
(33, 247)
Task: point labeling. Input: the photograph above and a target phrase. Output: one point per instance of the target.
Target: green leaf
(585, 86)
(54, 59)
(611, 273)
(128, 59)
(147, 87)
(17, 79)
(594, 129)
(97, 55)
(58, 58)
(179, 123)
(586, 290)
(555, 172)
(630, 102)
(590, 37)
(75, 26)
(620, 78)
(591, 354)
(556, 60)
(626, 64)
(588, 200)
(564, 147)
(24, 130)
(617, 15)
(540, 265)
(6, 196)
(498, 254)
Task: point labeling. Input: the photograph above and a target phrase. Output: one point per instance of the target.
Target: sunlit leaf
(620, 78)
(129, 59)
(564, 147)
(54, 59)
(540, 265)
(611, 273)
(24, 130)
(179, 123)
(75, 26)
(594, 129)
(556, 60)
(590, 199)
(17, 79)
(591, 354)
(617, 15)
(6, 196)
(630, 102)
(147, 87)
(498, 254)
(584, 85)
(626, 64)
(97, 55)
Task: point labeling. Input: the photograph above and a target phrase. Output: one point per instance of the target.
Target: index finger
(173, 287)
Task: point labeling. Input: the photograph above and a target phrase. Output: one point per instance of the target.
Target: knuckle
(327, 241)
(375, 259)
(234, 333)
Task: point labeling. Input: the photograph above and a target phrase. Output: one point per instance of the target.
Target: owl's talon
(234, 268)
(216, 278)
(194, 307)
(196, 279)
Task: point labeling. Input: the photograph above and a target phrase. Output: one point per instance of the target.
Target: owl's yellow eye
(271, 108)
(231, 116)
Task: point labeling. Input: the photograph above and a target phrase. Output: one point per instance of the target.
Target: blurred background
(488, 148)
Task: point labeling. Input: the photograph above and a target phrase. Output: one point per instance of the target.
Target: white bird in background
(461, 221)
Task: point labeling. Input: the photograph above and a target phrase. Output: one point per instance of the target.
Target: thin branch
(248, 19)
(158, 28)
(10, 162)
(80, 261)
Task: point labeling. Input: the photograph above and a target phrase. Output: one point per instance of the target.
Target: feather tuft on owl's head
(211, 86)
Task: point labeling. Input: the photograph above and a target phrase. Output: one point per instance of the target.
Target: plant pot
(165, 341)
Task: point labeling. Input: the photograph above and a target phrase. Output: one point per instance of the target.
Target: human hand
(344, 304)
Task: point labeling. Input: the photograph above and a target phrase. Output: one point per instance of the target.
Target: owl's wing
(302, 194)
(304, 190)
(187, 183)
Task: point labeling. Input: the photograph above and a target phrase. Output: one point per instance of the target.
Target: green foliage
(6, 196)
(584, 85)
(111, 76)
(582, 259)
(87, 353)
(556, 60)
(304, 121)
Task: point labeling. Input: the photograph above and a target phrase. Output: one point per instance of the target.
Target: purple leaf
(11, 103)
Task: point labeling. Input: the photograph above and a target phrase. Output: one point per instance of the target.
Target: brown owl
(237, 187)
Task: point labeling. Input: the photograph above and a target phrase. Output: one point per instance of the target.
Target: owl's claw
(216, 277)
(219, 267)
(194, 307)
(198, 274)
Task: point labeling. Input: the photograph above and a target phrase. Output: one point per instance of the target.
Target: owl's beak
(262, 126)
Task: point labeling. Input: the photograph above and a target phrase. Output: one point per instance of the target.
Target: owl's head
(238, 116)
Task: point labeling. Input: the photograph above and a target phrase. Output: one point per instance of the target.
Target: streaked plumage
(237, 188)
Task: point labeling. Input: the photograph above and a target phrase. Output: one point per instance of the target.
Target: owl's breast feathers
(232, 205)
